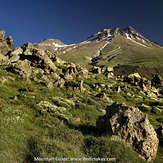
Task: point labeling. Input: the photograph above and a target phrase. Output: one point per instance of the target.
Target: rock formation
(5, 44)
(132, 125)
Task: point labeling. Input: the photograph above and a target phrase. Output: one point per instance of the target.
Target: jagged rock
(132, 125)
(133, 78)
(28, 48)
(41, 60)
(22, 68)
(38, 71)
(2, 35)
(67, 76)
(15, 55)
(16, 51)
(10, 42)
(96, 70)
(49, 85)
(109, 69)
(81, 88)
(60, 83)
(109, 75)
(5, 44)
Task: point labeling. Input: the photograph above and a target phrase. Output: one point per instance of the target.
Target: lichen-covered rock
(22, 68)
(132, 125)
(5, 44)
(28, 48)
(96, 70)
(10, 42)
(15, 54)
(133, 78)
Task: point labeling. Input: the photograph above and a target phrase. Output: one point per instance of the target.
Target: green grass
(27, 131)
(82, 54)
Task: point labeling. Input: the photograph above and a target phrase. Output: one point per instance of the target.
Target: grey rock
(131, 125)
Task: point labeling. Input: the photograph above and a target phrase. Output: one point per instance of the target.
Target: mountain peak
(127, 33)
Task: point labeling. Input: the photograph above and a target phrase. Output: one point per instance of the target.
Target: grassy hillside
(30, 127)
(49, 107)
(130, 53)
(121, 51)
(83, 53)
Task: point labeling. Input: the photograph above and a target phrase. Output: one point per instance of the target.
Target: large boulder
(22, 68)
(15, 54)
(130, 124)
(133, 78)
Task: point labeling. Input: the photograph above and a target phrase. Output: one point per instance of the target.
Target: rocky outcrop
(22, 68)
(95, 70)
(133, 78)
(37, 57)
(132, 125)
(6, 44)
(73, 70)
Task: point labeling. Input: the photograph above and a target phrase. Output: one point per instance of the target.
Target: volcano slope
(49, 106)
(125, 48)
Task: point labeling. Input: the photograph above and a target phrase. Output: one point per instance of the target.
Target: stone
(60, 83)
(49, 85)
(131, 125)
(2, 35)
(10, 42)
(109, 69)
(22, 68)
(96, 70)
(133, 78)
(156, 81)
(16, 51)
(81, 88)
(28, 48)
(6, 45)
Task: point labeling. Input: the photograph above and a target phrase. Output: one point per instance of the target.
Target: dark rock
(156, 81)
(159, 130)
(10, 42)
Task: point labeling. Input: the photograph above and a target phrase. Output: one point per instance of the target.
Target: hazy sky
(73, 20)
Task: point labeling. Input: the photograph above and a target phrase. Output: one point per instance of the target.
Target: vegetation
(39, 122)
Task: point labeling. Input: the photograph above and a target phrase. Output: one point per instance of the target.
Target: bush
(102, 147)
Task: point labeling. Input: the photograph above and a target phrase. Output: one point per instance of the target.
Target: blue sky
(72, 21)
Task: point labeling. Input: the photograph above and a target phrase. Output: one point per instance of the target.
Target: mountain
(112, 47)
(97, 100)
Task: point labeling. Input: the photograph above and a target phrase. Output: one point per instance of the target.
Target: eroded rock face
(5, 44)
(22, 68)
(132, 125)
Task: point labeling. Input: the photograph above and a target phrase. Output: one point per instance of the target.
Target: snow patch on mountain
(61, 46)
(129, 38)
